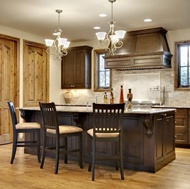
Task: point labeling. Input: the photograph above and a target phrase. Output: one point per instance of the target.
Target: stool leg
(38, 146)
(43, 152)
(14, 147)
(93, 157)
(57, 156)
(80, 151)
(121, 159)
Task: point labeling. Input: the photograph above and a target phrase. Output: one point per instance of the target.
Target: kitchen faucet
(163, 96)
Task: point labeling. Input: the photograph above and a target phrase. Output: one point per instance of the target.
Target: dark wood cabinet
(165, 136)
(76, 68)
(181, 126)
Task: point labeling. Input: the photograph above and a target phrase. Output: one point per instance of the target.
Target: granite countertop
(169, 106)
(88, 109)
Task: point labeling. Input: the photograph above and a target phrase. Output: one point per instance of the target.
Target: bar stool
(107, 127)
(26, 127)
(52, 129)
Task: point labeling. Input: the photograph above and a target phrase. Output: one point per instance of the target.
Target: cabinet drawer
(181, 139)
(180, 129)
(181, 122)
(181, 112)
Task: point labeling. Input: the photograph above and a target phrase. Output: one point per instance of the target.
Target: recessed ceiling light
(147, 20)
(96, 27)
(102, 15)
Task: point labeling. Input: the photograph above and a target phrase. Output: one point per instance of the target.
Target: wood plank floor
(25, 173)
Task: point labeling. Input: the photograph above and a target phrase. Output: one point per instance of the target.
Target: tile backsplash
(145, 84)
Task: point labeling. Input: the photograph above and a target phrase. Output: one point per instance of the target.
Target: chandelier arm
(53, 48)
(119, 44)
(112, 38)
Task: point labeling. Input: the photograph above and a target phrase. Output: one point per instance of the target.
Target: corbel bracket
(148, 125)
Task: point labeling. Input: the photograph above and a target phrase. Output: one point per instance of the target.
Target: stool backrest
(108, 118)
(13, 114)
(49, 116)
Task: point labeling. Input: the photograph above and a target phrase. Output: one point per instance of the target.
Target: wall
(166, 79)
(119, 77)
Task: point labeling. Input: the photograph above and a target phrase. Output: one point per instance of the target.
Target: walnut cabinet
(76, 68)
(182, 126)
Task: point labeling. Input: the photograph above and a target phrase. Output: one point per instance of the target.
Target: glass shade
(101, 35)
(120, 33)
(49, 42)
(67, 43)
(62, 41)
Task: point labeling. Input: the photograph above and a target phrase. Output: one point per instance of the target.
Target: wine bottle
(129, 102)
(130, 95)
(121, 99)
(111, 97)
(105, 98)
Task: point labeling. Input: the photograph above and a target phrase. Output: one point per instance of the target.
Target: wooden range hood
(142, 49)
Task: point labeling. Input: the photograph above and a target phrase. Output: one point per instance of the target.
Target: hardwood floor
(25, 173)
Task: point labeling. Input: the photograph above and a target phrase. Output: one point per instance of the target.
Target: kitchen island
(148, 134)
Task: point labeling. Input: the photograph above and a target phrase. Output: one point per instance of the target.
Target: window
(102, 76)
(182, 65)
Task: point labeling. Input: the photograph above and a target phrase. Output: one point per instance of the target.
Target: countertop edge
(89, 110)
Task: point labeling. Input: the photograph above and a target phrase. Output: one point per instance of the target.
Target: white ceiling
(80, 16)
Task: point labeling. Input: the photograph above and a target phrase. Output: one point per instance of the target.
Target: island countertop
(87, 109)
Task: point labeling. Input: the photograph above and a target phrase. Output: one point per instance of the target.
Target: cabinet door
(79, 69)
(169, 128)
(165, 137)
(67, 71)
(76, 68)
(159, 138)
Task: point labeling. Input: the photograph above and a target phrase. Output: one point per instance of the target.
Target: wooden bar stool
(26, 127)
(107, 127)
(52, 129)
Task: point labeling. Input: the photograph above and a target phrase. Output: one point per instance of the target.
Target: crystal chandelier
(57, 47)
(112, 39)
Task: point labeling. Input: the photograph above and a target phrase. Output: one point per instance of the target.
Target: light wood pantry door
(9, 84)
(36, 74)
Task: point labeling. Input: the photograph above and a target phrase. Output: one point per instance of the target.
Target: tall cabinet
(76, 68)
(182, 126)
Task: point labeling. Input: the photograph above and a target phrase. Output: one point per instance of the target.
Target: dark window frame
(97, 70)
(178, 66)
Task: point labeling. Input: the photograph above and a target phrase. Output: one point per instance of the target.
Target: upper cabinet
(76, 68)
